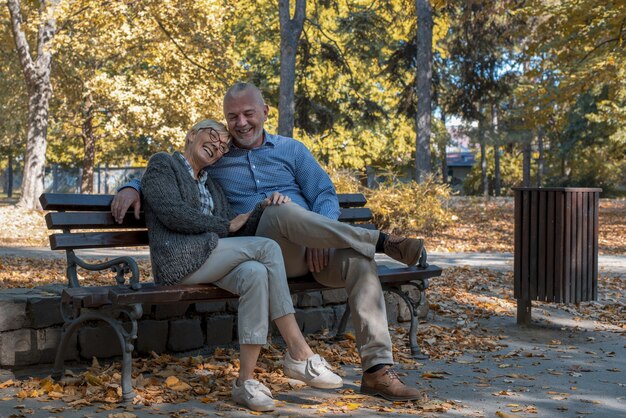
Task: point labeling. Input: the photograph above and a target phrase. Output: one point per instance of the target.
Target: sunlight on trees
(544, 80)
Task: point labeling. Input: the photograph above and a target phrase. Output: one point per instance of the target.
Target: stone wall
(31, 322)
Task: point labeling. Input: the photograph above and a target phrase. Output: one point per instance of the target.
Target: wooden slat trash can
(556, 246)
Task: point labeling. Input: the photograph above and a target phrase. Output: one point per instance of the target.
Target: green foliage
(510, 174)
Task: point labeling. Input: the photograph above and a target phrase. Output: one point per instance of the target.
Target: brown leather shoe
(386, 383)
(404, 250)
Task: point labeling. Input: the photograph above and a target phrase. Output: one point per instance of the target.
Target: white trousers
(253, 268)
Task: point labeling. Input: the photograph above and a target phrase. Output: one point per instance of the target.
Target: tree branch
(618, 39)
(184, 54)
(21, 44)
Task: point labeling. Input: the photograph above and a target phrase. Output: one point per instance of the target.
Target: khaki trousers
(253, 268)
(351, 266)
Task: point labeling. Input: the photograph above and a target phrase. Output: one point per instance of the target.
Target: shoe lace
(319, 364)
(254, 387)
(394, 242)
(393, 375)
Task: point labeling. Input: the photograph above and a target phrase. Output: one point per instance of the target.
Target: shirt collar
(202, 174)
(269, 140)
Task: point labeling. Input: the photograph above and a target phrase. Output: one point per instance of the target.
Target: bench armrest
(120, 265)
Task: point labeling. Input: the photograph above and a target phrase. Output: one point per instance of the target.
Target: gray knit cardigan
(182, 237)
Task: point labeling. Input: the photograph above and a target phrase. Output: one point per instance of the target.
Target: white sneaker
(253, 395)
(314, 371)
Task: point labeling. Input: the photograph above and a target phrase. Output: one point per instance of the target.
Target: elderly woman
(195, 237)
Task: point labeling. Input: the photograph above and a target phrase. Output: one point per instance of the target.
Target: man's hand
(123, 200)
(317, 259)
(238, 221)
(275, 199)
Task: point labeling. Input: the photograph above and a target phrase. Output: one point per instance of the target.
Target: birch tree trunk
(290, 31)
(37, 76)
(423, 65)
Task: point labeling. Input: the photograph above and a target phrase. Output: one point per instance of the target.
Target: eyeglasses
(216, 140)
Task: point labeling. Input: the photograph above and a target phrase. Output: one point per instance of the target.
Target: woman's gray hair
(206, 125)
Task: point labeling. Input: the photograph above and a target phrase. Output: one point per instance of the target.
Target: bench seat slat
(152, 293)
(86, 240)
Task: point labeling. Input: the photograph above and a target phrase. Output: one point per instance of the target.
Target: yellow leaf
(93, 379)
(6, 384)
(505, 415)
(171, 381)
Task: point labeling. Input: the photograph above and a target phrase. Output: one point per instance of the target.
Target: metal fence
(106, 180)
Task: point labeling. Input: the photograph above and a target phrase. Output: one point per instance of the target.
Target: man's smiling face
(245, 114)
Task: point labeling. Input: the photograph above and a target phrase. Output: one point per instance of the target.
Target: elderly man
(307, 231)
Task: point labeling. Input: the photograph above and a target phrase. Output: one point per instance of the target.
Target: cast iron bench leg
(412, 305)
(125, 338)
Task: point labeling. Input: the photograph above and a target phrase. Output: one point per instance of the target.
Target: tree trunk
(290, 30)
(496, 151)
(540, 160)
(37, 76)
(89, 146)
(497, 182)
(423, 65)
(444, 158)
(483, 157)
(526, 164)
(9, 189)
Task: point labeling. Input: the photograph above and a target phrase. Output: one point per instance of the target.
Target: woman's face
(208, 147)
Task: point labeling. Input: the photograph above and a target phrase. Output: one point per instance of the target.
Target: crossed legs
(351, 266)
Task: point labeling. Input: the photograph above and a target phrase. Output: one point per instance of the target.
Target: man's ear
(266, 111)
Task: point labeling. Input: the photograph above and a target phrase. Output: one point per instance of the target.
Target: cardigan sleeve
(161, 190)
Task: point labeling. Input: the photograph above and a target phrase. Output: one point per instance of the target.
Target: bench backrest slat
(355, 215)
(75, 212)
(102, 202)
(91, 220)
(104, 220)
(78, 202)
(85, 240)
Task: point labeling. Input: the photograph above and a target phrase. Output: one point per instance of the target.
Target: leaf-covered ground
(481, 225)
(478, 226)
(459, 302)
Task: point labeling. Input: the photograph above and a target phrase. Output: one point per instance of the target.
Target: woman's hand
(238, 221)
(275, 199)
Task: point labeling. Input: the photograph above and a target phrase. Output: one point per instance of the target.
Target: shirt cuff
(134, 183)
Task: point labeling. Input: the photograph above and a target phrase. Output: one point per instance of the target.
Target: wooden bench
(120, 305)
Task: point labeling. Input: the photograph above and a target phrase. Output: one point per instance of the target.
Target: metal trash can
(556, 246)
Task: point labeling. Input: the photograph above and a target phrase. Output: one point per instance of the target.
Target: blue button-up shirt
(280, 164)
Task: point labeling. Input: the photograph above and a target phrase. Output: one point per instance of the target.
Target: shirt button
(257, 181)
(254, 166)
